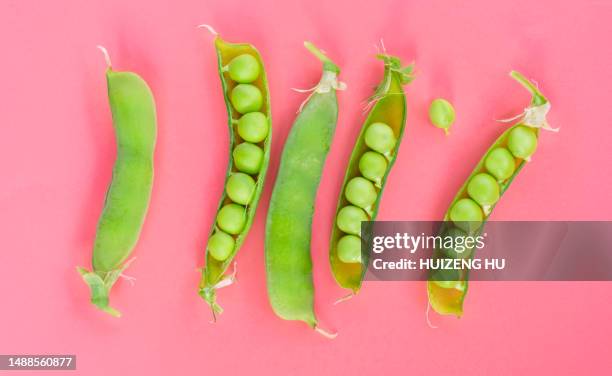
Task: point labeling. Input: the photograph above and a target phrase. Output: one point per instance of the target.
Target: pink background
(57, 148)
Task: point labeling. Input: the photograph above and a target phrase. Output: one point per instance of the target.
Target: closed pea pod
(289, 222)
(475, 200)
(245, 91)
(127, 199)
(373, 156)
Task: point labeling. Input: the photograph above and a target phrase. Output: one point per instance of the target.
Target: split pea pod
(289, 222)
(368, 168)
(127, 198)
(245, 90)
(476, 199)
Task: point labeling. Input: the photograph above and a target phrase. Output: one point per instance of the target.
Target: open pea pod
(476, 199)
(246, 94)
(371, 160)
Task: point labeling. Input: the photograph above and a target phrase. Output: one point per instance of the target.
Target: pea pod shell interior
(391, 110)
(214, 270)
(450, 300)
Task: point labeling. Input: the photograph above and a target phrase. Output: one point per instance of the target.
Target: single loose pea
(240, 188)
(522, 142)
(231, 218)
(373, 166)
(500, 163)
(220, 245)
(466, 214)
(483, 188)
(442, 114)
(248, 158)
(380, 137)
(349, 249)
(360, 191)
(246, 98)
(244, 68)
(253, 127)
(350, 218)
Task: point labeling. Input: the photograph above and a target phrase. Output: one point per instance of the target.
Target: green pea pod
(476, 199)
(388, 106)
(127, 199)
(289, 222)
(213, 274)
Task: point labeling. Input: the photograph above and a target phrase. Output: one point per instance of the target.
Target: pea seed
(500, 163)
(240, 188)
(220, 246)
(253, 127)
(522, 142)
(483, 188)
(246, 98)
(454, 251)
(248, 158)
(360, 192)
(231, 218)
(244, 69)
(349, 249)
(350, 218)
(466, 214)
(373, 166)
(442, 114)
(380, 137)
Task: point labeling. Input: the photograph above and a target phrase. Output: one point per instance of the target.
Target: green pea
(220, 245)
(522, 142)
(466, 214)
(442, 114)
(500, 163)
(253, 127)
(248, 158)
(380, 137)
(451, 245)
(244, 69)
(373, 166)
(240, 188)
(360, 192)
(246, 98)
(350, 218)
(349, 249)
(231, 218)
(483, 188)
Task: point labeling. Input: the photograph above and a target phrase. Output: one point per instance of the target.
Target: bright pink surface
(57, 148)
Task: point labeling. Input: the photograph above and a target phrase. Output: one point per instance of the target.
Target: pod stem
(327, 63)
(538, 98)
(106, 56)
(99, 291)
(209, 28)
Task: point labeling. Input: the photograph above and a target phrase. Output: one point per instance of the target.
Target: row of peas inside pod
(362, 191)
(484, 187)
(252, 128)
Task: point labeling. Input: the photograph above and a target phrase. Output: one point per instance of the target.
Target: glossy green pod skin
(289, 222)
(127, 199)
(446, 299)
(213, 273)
(388, 107)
